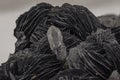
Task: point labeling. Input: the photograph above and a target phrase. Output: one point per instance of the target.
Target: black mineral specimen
(63, 43)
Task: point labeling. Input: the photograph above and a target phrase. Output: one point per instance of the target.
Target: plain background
(11, 9)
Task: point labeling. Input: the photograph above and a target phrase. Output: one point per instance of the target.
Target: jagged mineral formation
(63, 43)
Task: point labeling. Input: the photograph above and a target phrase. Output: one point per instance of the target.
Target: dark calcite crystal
(63, 43)
(32, 26)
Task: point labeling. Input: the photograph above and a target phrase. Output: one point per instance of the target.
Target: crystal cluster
(64, 43)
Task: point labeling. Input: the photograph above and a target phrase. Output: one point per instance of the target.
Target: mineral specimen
(63, 43)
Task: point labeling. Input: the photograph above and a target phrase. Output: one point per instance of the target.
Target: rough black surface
(91, 44)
